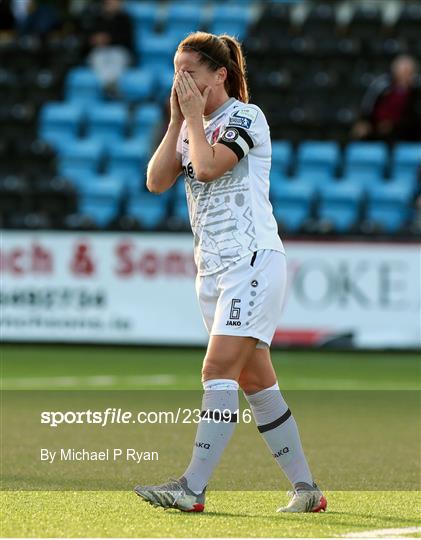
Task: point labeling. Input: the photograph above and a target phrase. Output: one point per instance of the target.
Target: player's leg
(279, 429)
(225, 359)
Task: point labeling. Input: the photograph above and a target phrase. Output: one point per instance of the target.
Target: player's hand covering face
(192, 102)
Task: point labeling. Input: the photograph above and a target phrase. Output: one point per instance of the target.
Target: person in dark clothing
(112, 43)
(38, 18)
(7, 19)
(391, 107)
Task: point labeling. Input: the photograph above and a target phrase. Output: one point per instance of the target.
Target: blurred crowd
(389, 109)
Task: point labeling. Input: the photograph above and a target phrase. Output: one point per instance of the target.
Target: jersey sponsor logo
(188, 170)
(243, 118)
(230, 135)
(233, 323)
(240, 122)
(202, 445)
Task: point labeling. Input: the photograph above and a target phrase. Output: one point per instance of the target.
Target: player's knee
(251, 384)
(214, 369)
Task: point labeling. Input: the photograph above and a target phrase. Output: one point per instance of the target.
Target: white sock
(279, 429)
(221, 396)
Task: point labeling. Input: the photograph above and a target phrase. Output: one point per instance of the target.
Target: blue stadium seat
(340, 204)
(137, 85)
(157, 50)
(164, 80)
(82, 86)
(181, 212)
(197, 3)
(80, 158)
(107, 122)
(128, 160)
(315, 179)
(183, 18)
(101, 199)
(60, 122)
(150, 210)
(277, 181)
(281, 156)
(365, 157)
(146, 119)
(406, 159)
(318, 156)
(230, 19)
(406, 181)
(372, 181)
(179, 188)
(149, 114)
(390, 207)
(144, 15)
(367, 180)
(292, 205)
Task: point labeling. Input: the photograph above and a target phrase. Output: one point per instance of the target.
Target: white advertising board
(139, 289)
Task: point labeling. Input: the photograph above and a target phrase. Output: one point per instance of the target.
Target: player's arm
(164, 166)
(209, 161)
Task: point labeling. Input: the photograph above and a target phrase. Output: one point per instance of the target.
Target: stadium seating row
(314, 163)
(102, 201)
(135, 85)
(180, 18)
(341, 206)
(61, 124)
(364, 160)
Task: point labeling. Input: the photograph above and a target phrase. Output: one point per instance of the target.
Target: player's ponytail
(237, 77)
(221, 51)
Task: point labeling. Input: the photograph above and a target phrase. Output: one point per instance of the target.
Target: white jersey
(231, 217)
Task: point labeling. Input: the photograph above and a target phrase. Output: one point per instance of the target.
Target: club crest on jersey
(230, 135)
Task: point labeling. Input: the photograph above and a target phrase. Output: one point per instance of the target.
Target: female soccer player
(222, 144)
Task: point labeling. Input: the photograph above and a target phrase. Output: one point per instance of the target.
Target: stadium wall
(139, 289)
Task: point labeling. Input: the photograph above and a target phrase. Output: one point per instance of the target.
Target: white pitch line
(97, 381)
(384, 533)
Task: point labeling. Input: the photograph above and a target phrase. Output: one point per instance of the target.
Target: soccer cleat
(173, 494)
(305, 500)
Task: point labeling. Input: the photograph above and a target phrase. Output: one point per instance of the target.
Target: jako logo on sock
(203, 445)
(282, 451)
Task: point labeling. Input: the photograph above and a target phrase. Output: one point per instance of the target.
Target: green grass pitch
(246, 513)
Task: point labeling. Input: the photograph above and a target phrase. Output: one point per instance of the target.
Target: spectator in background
(36, 17)
(390, 109)
(111, 40)
(7, 19)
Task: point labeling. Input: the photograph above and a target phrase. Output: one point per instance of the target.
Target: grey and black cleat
(173, 494)
(305, 498)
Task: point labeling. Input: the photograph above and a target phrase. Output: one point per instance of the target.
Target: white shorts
(245, 299)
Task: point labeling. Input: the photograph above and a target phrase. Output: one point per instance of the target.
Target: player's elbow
(205, 175)
(154, 186)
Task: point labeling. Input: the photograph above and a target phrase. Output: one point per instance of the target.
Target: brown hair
(221, 51)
